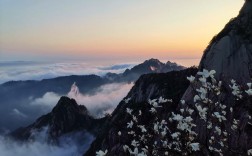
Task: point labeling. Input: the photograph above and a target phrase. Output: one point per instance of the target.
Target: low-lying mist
(74, 144)
(103, 100)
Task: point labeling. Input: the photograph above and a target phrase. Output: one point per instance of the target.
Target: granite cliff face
(230, 55)
(169, 85)
(230, 52)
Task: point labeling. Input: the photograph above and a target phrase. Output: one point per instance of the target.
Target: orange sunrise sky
(111, 29)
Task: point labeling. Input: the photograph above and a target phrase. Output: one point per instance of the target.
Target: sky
(110, 30)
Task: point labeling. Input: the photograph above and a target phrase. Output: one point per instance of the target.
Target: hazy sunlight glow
(111, 29)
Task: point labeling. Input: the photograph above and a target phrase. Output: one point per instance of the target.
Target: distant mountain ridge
(24, 91)
(148, 66)
(68, 117)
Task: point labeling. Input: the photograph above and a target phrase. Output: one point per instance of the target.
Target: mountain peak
(152, 60)
(74, 92)
(69, 106)
(247, 7)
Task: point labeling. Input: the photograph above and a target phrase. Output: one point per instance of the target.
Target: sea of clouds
(74, 144)
(104, 100)
(98, 104)
(25, 70)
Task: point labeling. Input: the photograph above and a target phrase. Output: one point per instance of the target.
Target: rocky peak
(247, 7)
(67, 105)
(152, 61)
(67, 116)
(74, 92)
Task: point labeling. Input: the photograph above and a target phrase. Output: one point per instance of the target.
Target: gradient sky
(110, 29)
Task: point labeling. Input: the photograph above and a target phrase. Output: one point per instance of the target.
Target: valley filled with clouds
(27, 70)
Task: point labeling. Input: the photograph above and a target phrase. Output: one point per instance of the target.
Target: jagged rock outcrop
(67, 116)
(169, 85)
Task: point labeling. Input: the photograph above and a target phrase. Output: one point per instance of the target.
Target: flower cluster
(176, 133)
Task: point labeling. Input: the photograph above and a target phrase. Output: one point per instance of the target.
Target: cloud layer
(37, 71)
(74, 144)
(103, 101)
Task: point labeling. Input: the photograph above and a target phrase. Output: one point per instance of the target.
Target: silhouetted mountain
(67, 116)
(148, 66)
(17, 95)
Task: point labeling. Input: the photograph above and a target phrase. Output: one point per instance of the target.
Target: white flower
(249, 92)
(196, 98)
(101, 153)
(188, 119)
(175, 135)
(164, 132)
(140, 113)
(225, 133)
(125, 147)
(205, 73)
(153, 102)
(221, 143)
(190, 111)
(195, 146)
(219, 117)
(209, 126)
(142, 128)
(235, 121)
(234, 127)
(134, 143)
(129, 111)
(223, 106)
(130, 124)
(203, 92)
(127, 100)
(249, 85)
(182, 110)
(134, 118)
(141, 154)
(233, 81)
(202, 111)
(119, 133)
(182, 102)
(163, 122)
(153, 110)
(131, 132)
(156, 127)
(177, 117)
(218, 130)
(202, 80)
(135, 152)
(250, 152)
(231, 109)
(162, 100)
(191, 78)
